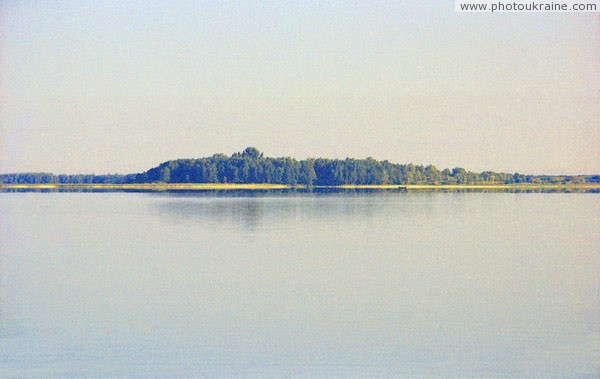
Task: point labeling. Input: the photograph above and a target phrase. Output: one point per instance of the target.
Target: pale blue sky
(97, 87)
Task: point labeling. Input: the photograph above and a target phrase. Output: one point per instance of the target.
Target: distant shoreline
(265, 186)
(252, 170)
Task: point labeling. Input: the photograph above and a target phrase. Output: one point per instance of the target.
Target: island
(250, 169)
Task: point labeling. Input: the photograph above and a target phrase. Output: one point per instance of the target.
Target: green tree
(307, 172)
(165, 175)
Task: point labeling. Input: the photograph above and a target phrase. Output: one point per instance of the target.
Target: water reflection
(353, 284)
(252, 210)
(246, 213)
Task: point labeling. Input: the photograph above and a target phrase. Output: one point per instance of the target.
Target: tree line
(251, 166)
(49, 178)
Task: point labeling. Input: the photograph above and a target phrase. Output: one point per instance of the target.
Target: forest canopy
(252, 166)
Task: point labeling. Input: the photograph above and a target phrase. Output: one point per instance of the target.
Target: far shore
(265, 186)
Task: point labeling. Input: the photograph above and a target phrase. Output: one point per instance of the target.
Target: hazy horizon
(115, 87)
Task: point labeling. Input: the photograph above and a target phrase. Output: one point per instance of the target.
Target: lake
(287, 284)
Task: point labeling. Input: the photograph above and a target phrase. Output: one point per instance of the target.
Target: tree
(307, 172)
(252, 152)
(165, 175)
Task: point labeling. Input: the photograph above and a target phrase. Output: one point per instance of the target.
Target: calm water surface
(150, 285)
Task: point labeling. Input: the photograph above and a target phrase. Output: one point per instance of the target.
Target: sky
(121, 86)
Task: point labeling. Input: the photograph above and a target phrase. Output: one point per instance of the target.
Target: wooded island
(252, 167)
